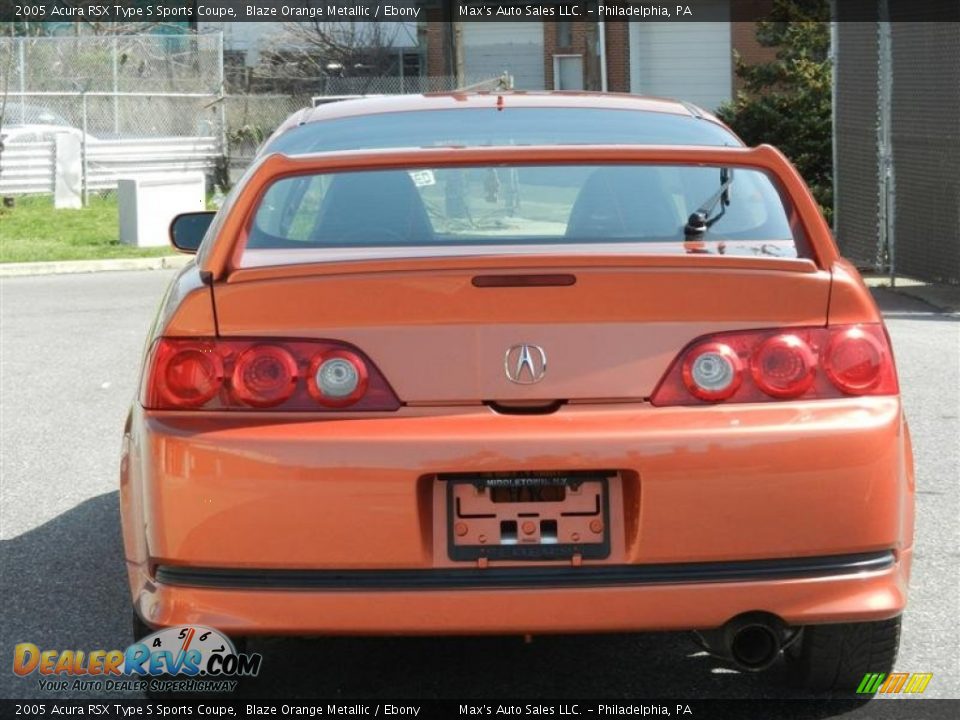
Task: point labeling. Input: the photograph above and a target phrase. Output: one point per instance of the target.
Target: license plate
(530, 516)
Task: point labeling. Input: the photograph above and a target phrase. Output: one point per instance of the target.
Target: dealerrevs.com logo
(188, 658)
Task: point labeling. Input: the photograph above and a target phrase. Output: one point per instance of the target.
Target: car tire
(139, 627)
(835, 658)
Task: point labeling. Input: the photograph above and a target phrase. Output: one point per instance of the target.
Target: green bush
(786, 102)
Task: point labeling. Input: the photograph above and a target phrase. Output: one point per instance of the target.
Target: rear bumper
(558, 575)
(266, 603)
(307, 501)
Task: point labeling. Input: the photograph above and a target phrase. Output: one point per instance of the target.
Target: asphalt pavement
(70, 348)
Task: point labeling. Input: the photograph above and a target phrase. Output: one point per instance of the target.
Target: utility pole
(591, 60)
(886, 170)
(458, 58)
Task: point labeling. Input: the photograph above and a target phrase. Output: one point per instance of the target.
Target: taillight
(264, 376)
(855, 361)
(794, 363)
(712, 371)
(280, 375)
(337, 379)
(186, 376)
(784, 366)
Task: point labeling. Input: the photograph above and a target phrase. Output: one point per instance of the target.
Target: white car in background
(23, 134)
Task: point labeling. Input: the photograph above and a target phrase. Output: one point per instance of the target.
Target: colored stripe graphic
(870, 683)
(918, 682)
(894, 683)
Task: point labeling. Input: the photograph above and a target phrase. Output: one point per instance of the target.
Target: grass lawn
(33, 230)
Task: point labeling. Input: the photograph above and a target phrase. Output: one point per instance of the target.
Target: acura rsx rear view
(522, 364)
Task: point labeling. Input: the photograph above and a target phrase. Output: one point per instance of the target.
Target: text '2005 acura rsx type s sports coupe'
(522, 364)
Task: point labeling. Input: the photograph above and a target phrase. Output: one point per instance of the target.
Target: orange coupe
(522, 363)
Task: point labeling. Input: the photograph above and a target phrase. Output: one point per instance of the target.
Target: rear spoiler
(229, 230)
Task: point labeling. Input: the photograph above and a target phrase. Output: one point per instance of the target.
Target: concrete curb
(944, 298)
(61, 267)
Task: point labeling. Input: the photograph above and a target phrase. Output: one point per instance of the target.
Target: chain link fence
(856, 166)
(250, 119)
(137, 105)
(121, 86)
(925, 133)
(897, 145)
(104, 116)
(143, 104)
(115, 63)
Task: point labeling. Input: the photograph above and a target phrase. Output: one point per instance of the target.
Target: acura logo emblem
(525, 364)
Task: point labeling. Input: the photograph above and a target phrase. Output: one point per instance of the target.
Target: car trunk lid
(522, 330)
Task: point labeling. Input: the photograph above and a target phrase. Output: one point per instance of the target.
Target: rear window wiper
(700, 221)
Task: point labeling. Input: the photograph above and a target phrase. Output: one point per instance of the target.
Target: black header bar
(284, 11)
(400, 709)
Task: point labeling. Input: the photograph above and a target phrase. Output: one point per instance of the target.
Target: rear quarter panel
(186, 309)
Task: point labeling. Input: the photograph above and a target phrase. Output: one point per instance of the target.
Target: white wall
(683, 60)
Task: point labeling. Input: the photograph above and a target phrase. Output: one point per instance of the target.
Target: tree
(316, 51)
(787, 102)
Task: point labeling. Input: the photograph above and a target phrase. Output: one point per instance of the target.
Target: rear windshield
(643, 209)
(513, 126)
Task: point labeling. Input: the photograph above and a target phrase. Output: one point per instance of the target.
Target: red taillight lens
(186, 376)
(784, 366)
(796, 363)
(282, 375)
(712, 371)
(264, 376)
(854, 361)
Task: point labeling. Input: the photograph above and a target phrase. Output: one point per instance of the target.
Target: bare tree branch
(318, 50)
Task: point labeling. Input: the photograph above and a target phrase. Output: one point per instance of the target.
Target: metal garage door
(490, 48)
(684, 60)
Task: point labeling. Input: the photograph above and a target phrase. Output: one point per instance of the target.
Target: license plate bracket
(528, 516)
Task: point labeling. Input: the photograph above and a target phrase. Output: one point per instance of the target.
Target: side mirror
(187, 230)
